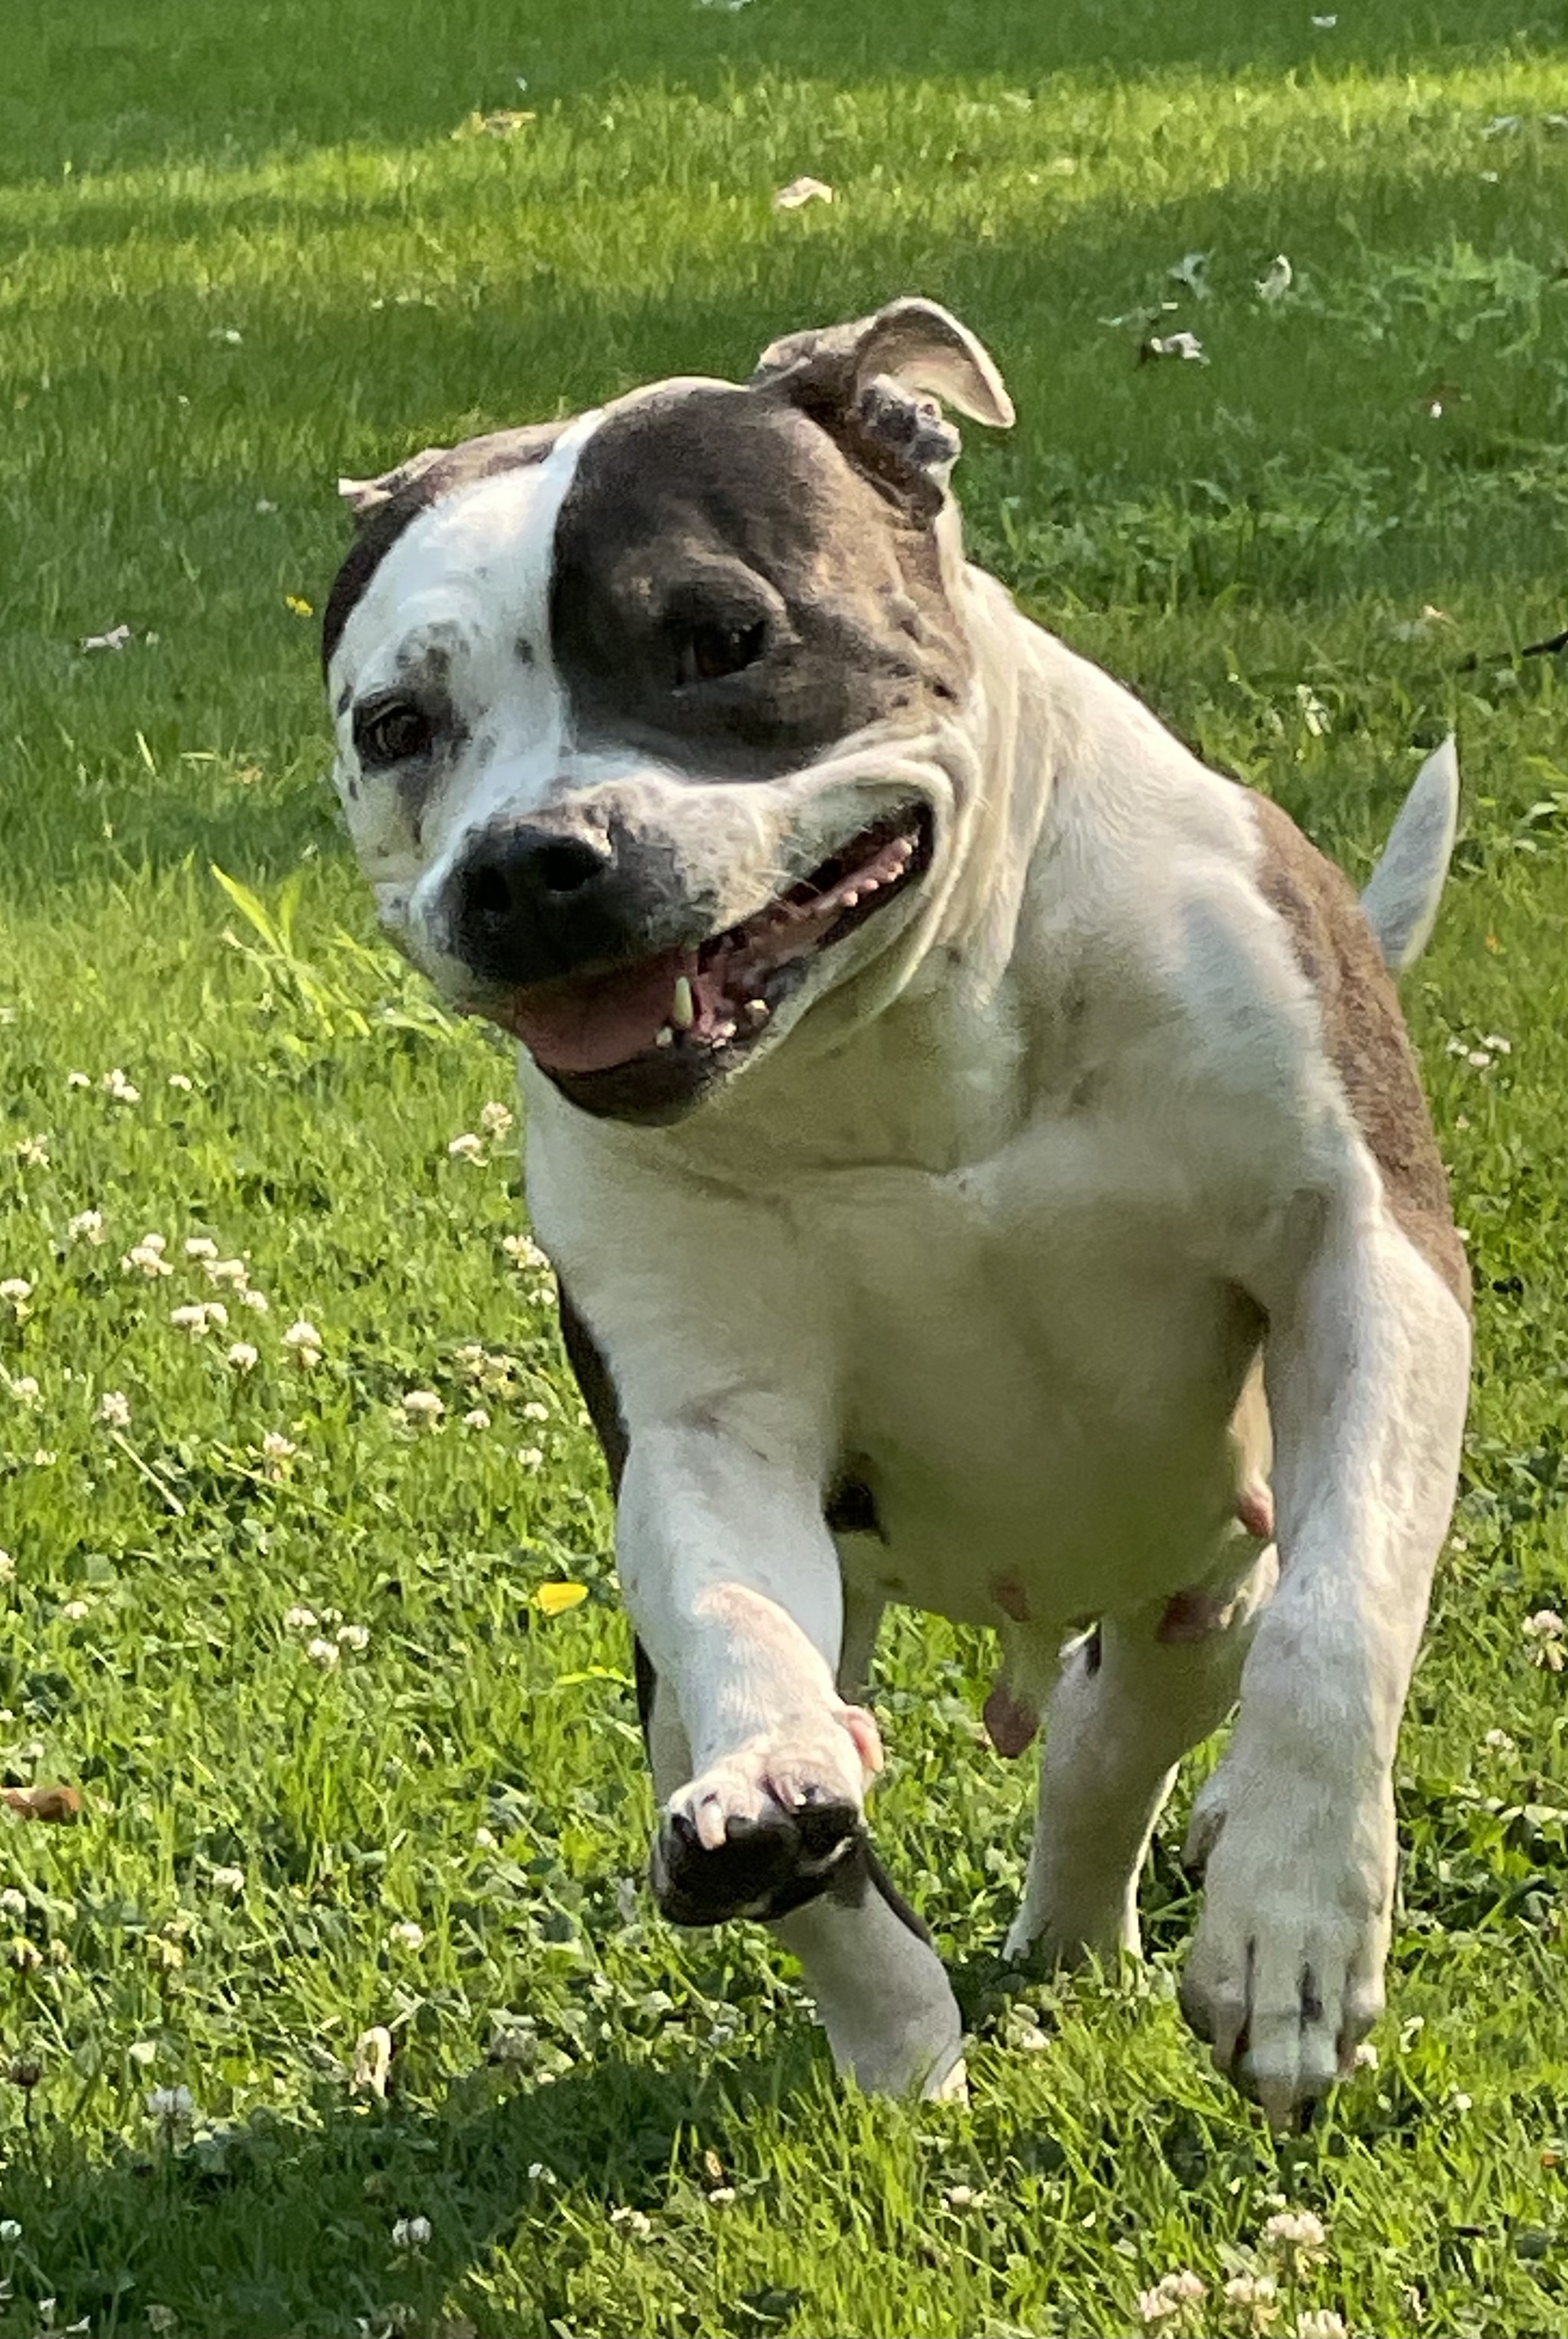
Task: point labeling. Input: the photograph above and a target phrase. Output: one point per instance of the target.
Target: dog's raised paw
(765, 1831)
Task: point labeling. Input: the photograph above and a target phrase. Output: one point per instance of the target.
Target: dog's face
(649, 724)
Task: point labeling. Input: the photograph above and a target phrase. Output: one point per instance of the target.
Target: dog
(981, 1155)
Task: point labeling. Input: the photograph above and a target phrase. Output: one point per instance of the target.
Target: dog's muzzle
(587, 944)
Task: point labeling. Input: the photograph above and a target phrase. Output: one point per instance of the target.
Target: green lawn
(242, 249)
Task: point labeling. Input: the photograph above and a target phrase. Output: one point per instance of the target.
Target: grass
(242, 250)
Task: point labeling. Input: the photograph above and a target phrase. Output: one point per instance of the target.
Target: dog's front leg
(760, 1763)
(1367, 1359)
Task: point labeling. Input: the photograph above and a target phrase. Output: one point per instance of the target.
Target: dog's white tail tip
(1404, 891)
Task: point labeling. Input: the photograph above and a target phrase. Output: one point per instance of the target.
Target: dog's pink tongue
(597, 1021)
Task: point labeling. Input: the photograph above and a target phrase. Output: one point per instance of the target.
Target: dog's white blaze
(472, 576)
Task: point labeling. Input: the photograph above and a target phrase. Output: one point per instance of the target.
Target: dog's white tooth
(683, 1010)
(723, 1032)
(665, 1037)
(871, 884)
(848, 901)
(758, 1011)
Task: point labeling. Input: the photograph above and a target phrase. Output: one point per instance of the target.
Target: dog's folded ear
(874, 385)
(364, 497)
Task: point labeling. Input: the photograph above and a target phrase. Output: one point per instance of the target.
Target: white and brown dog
(981, 1155)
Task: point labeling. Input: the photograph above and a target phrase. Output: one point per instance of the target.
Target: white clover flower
(277, 1451)
(957, 2196)
(484, 1840)
(632, 2222)
(231, 1271)
(228, 1880)
(1296, 2229)
(87, 1226)
(1459, 2101)
(477, 1419)
(13, 1903)
(421, 1405)
(10, 2231)
(354, 1636)
(183, 1081)
(325, 1653)
(496, 1120)
(114, 1409)
(74, 1610)
(1545, 1624)
(161, 2318)
(372, 2061)
(466, 1148)
(201, 1247)
(722, 2196)
(18, 1291)
(1365, 2058)
(531, 1458)
(1497, 1742)
(26, 1389)
(1251, 2289)
(78, 1079)
(7, 1570)
(148, 1256)
(193, 1321)
(170, 2103)
(256, 1299)
(243, 1356)
(407, 1935)
(305, 1341)
(114, 1085)
(525, 1254)
(535, 1411)
(33, 1152)
(1320, 2322)
(1157, 2306)
(300, 1619)
(411, 2232)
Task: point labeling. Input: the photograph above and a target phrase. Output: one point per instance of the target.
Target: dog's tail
(1403, 893)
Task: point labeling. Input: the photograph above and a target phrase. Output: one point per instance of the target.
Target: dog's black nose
(528, 902)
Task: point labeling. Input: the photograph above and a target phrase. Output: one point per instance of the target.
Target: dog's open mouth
(699, 1007)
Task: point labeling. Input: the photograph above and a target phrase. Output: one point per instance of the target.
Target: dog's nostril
(567, 866)
(489, 895)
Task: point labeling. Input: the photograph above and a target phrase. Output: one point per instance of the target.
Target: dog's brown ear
(364, 497)
(875, 385)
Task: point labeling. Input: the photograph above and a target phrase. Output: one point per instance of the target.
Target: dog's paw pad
(761, 1833)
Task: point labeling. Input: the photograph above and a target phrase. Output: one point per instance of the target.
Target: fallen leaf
(114, 639)
(1185, 346)
(58, 1805)
(302, 608)
(800, 192)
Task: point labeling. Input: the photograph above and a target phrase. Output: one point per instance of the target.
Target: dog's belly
(1041, 1411)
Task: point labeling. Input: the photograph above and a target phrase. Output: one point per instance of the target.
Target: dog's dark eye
(709, 651)
(391, 734)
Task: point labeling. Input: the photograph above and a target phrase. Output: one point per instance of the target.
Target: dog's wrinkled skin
(989, 1226)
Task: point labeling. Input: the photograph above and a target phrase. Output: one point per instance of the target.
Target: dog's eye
(391, 734)
(711, 651)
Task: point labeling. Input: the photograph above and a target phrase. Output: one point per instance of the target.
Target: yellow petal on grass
(300, 609)
(554, 1599)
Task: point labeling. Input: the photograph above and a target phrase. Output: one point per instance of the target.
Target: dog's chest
(1036, 1375)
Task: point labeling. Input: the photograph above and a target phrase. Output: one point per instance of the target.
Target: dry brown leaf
(58, 1805)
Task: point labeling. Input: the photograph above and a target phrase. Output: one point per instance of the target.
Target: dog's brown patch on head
(1364, 1033)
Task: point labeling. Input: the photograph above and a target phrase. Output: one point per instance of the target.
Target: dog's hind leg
(880, 1990)
(1133, 1696)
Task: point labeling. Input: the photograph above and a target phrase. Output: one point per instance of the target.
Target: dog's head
(650, 724)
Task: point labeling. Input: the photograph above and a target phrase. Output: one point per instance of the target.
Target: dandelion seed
(478, 1418)
(87, 1226)
(114, 1085)
(170, 2103)
(801, 191)
(354, 1636)
(421, 1405)
(33, 1152)
(632, 2222)
(115, 1408)
(373, 2062)
(325, 1653)
(18, 1291)
(201, 1247)
(411, 2232)
(466, 1148)
(299, 1620)
(229, 1880)
(407, 1935)
(183, 1081)
(305, 1341)
(243, 1356)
